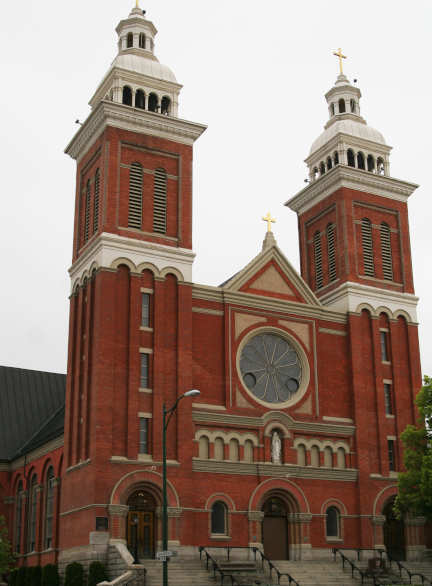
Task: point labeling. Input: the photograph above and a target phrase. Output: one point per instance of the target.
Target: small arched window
(341, 106)
(352, 105)
(153, 103)
(332, 109)
(331, 251)
(301, 455)
(18, 518)
(96, 202)
(336, 158)
(322, 168)
(332, 522)
(315, 456)
(360, 160)
(248, 451)
(329, 163)
(367, 245)
(386, 251)
(328, 457)
(351, 158)
(341, 458)
(219, 447)
(219, 518)
(204, 447)
(49, 508)
(142, 41)
(140, 100)
(166, 106)
(32, 518)
(318, 260)
(160, 201)
(129, 40)
(135, 196)
(234, 450)
(87, 211)
(127, 96)
(370, 163)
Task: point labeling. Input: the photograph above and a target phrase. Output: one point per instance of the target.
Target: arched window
(32, 518)
(127, 96)
(204, 447)
(336, 158)
(234, 450)
(341, 106)
(332, 109)
(18, 518)
(301, 455)
(331, 251)
(166, 105)
(351, 158)
(135, 196)
(219, 518)
(49, 508)
(129, 40)
(153, 103)
(140, 99)
(87, 211)
(380, 166)
(322, 168)
(142, 41)
(329, 163)
(360, 160)
(315, 456)
(370, 163)
(332, 522)
(248, 451)
(352, 105)
(318, 260)
(219, 447)
(160, 201)
(341, 458)
(96, 201)
(386, 251)
(328, 457)
(368, 259)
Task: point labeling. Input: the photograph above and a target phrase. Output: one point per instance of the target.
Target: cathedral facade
(306, 380)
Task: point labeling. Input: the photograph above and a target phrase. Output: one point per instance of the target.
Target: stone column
(255, 528)
(56, 513)
(118, 515)
(414, 537)
(174, 514)
(299, 535)
(378, 533)
(40, 517)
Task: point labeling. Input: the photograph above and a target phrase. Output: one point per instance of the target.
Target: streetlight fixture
(165, 422)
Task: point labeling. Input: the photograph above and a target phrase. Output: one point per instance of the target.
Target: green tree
(6, 558)
(50, 576)
(96, 574)
(415, 484)
(74, 575)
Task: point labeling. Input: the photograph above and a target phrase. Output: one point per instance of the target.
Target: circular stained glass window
(271, 368)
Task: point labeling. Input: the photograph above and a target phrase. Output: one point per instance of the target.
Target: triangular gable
(271, 274)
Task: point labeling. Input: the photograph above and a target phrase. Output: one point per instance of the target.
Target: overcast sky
(256, 74)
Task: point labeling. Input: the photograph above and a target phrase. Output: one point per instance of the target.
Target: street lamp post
(166, 418)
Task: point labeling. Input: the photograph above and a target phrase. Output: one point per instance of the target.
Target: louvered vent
(96, 202)
(318, 260)
(386, 251)
(331, 252)
(87, 212)
(160, 198)
(368, 259)
(135, 196)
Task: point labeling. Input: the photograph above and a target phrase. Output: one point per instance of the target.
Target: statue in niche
(276, 448)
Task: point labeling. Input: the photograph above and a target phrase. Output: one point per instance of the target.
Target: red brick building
(306, 380)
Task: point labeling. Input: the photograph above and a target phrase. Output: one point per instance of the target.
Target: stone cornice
(350, 141)
(351, 178)
(128, 118)
(256, 422)
(266, 303)
(46, 448)
(273, 470)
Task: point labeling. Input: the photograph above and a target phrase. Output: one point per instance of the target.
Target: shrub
(74, 574)
(22, 576)
(29, 576)
(50, 576)
(96, 573)
(12, 580)
(36, 576)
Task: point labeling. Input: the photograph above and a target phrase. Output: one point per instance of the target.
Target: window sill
(146, 329)
(385, 362)
(145, 457)
(334, 539)
(218, 537)
(144, 390)
(390, 416)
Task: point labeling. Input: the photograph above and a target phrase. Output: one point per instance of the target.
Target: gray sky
(256, 73)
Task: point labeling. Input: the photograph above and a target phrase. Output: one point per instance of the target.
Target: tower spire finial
(339, 54)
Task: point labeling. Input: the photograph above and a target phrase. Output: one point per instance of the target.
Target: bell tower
(131, 274)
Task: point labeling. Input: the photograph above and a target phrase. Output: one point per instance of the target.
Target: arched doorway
(275, 529)
(394, 532)
(141, 525)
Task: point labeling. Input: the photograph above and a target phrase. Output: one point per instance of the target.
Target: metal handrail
(272, 568)
(401, 567)
(216, 567)
(352, 565)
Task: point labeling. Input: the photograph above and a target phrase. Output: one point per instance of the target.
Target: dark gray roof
(31, 409)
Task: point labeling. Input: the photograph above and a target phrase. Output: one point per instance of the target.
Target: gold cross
(340, 56)
(269, 221)
(137, 5)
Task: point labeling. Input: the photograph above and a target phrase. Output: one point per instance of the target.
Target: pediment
(270, 274)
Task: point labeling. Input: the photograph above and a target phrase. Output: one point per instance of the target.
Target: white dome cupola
(347, 139)
(136, 78)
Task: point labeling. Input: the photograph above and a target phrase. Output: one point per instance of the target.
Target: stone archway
(141, 527)
(393, 531)
(280, 527)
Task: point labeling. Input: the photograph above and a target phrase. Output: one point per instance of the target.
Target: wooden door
(141, 534)
(275, 538)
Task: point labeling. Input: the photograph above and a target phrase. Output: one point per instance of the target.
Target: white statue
(276, 448)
